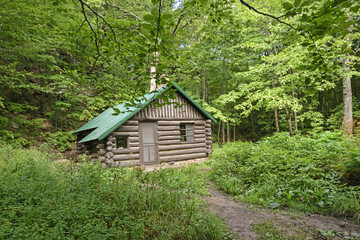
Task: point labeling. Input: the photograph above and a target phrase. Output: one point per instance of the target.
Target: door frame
(141, 145)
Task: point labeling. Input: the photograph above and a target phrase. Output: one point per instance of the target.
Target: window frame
(186, 132)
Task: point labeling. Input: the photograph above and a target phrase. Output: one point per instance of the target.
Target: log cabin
(163, 126)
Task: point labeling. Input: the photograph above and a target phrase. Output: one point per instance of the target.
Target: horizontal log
(199, 140)
(176, 137)
(208, 121)
(168, 123)
(101, 158)
(133, 144)
(208, 142)
(168, 128)
(168, 133)
(208, 137)
(126, 157)
(127, 129)
(199, 136)
(199, 131)
(126, 150)
(133, 139)
(182, 157)
(183, 151)
(207, 125)
(209, 151)
(132, 134)
(127, 163)
(199, 127)
(182, 146)
(167, 142)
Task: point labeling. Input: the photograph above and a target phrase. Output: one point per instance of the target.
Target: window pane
(187, 132)
(121, 142)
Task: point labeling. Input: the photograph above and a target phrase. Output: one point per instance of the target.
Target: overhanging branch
(266, 14)
(99, 16)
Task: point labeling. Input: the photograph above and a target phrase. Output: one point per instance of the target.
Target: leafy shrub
(299, 172)
(41, 199)
(61, 140)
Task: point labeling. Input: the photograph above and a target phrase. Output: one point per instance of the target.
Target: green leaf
(297, 3)
(149, 18)
(274, 205)
(155, 12)
(166, 16)
(287, 6)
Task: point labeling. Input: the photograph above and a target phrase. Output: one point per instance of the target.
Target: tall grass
(300, 172)
(47, 200)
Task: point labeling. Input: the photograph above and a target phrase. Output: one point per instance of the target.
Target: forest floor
(247, 222)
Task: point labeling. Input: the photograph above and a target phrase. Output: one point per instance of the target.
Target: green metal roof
(106, 122)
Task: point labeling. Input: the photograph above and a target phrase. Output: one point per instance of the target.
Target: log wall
(172, 149)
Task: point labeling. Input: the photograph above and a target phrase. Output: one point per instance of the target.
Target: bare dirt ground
(241, 218)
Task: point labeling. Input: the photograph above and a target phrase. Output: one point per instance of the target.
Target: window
(121, 142)
(186, 132)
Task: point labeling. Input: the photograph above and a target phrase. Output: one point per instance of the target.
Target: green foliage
(60, 200)
(61, 140)
(299, 172)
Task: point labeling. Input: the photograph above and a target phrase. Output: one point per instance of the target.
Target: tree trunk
(228, 131)
(276, 116)
(347, 95)
(293, 95)
(288, 117)
(223, 132)
(295, 121)
(276, 120)
(218, 133)
(234, 133)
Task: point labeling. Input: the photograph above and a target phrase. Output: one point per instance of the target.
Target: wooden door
(148, 146)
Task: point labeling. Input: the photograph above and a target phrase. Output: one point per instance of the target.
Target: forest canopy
(258, 66)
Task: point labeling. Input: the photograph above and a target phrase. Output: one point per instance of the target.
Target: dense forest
(258, 66)
(280, 76)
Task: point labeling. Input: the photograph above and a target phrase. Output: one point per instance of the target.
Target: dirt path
(241, 219)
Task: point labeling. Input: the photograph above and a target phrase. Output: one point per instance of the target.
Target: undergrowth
(301, 172)
(40, 199)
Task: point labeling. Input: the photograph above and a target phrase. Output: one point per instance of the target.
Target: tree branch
(124, 11)
(101, 17)
(92, 29)
(182, 15)
(266, 14)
